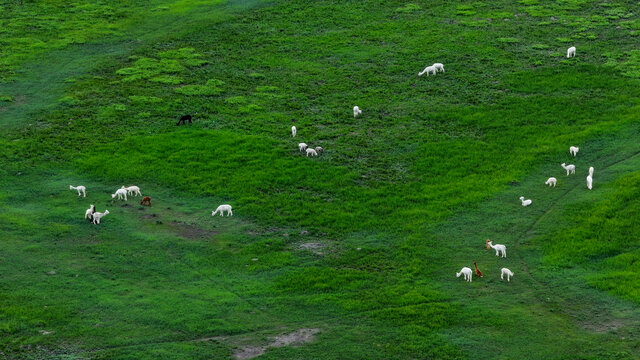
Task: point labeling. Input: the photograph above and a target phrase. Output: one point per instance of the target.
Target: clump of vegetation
(210, 88)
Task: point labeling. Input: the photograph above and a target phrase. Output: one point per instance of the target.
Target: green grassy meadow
(360, 244)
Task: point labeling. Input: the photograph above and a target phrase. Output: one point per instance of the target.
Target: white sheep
(428, 70)
(570, 168)
(82, 191)
(311, 152)
(89, 213)
(120, 193)
(525, 202)
(222, 209)
(551, 181)
(356, 111)
(507, 272)
(590, 178)
(438, 67)
(571, 52)
(302, 146)
(133, 190)
(573, 150)
(319, 149)
(294, 131)
(98, 215)
(468, 274)
(499, 248)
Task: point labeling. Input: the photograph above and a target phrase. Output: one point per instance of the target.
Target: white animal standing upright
(468, 274)
(428, 70)
(311, 152)
(133, 190)
(82, 191)
(98, 215)
(574, 150)
(89, 213)
(590, 178)
(525, 202)
(294, 131)
(571, 52)
(438, 67)
(571, 169)
(507, 272)
(222, 209)
(302, 146)
(551, 181)
(499, 248)
(121, 193)
(356, 111)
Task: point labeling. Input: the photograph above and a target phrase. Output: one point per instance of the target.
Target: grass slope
(402, 198)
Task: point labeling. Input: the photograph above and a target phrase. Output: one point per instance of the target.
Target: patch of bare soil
(192, 232)
(297, 337)
(314, 247)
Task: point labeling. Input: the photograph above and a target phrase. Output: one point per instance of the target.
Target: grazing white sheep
(551, 181)
(311, 152)
(89, 213)
(302, 146)
(82, 191)
(319, 149)
(133, 190)
(438, 67)
(571, 52)
(507, 272)
(428, 70)
(356, 111)
(294, 131)
(499, 248)
(570, 168)
(98, 215)
(468, 274)
(222, 209)
(590, 178)
(120, 193)
(574, 150)
(525, 202)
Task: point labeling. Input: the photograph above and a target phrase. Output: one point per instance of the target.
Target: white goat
(98, 215)
(571, 52)
(302, 146)
(466, 272)
(356, 111)
(89, 213)
(551, 181)
(498, 248)
(570, 168)
(438, 67)
(222, 209)
(574, 150)
(82, 191)
(121, 193)
(133, 190)
(311, 152)
(507, 272)
(428, 70)
(525, 202)
(294, 131)
(590, 178)
(319, 149)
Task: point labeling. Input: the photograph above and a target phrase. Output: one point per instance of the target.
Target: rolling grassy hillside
(360, 244)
